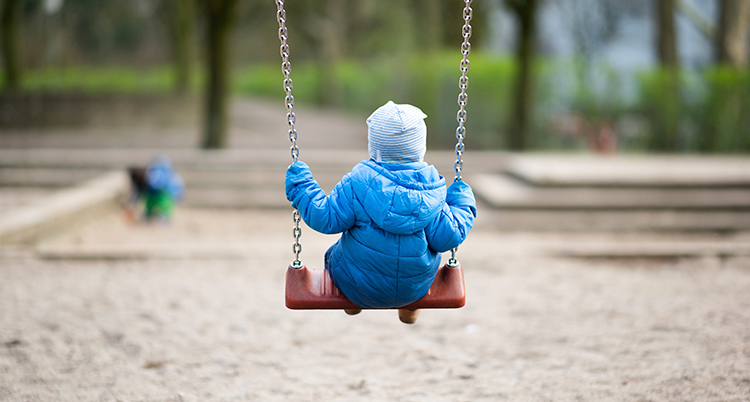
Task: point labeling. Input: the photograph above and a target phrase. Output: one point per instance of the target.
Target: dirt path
(255, 123)
(214, 328)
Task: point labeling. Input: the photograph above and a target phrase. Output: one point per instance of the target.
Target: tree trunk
(666, 37)
(10, 22)
(429, 20)
(666, 116)
(218, 26)
(729, 102)
(331, 48)
(732, 38)
(521, 125)
(182, 31)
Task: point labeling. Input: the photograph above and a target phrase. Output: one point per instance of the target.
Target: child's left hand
(298, 172)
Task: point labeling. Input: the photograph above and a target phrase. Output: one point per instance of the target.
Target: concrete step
(230, 159)
(16, 197)
(236, 198)
(221, 159)
(631, 170)
(229, 234)
(62, 209)
(659, 249)
(129, 251)
(618, 221)
(214, 178)
(505, 192)
(45, 177)
(253, 179)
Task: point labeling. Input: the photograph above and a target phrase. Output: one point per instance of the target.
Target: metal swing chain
(463, 84)
(286, 68)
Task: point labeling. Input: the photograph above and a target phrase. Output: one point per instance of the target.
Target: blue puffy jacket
(161, 176)
(396, 219)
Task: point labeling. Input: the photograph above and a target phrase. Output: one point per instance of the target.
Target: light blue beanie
(397, 134)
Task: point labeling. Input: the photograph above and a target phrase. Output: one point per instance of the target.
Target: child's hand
(459, 186)
(129, 214)
(298, 172)
(461, 194)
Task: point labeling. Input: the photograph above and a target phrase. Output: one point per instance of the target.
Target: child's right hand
(128, 213)
(461, 194)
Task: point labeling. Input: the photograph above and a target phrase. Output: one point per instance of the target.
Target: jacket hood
(402, 198)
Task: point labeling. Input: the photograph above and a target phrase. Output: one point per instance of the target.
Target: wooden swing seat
(312, 289)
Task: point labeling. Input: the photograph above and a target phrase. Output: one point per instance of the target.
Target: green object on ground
(159, 204)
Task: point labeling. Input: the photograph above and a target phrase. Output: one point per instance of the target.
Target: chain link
(296, 246)
(286, 68)
(463, 85)
(291, 118)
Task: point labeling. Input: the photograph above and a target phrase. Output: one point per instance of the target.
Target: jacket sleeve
(456, 219)
(326, 214)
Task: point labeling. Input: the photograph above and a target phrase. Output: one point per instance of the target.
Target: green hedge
(428, 81)
(697, 112)
(98, 79)
(707, 111)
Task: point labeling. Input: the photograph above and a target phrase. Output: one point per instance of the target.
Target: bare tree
(183, 17)
(430, 16)
(323, 29)
(732, 38)
(666, 40)
(331, 36)
(178, 17)
(219, 17)
(10, 21)
(666, 123)
(697, 18)
(520, 130)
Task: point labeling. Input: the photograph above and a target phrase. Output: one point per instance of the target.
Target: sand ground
(194, 312)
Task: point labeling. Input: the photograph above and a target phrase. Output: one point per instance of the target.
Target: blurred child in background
(159, 186)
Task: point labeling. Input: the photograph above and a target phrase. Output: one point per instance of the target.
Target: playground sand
(199, 316)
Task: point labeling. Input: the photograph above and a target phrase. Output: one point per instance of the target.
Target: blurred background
(607, 76)
(606, 145)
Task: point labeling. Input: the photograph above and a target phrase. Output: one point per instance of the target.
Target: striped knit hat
(397, 134)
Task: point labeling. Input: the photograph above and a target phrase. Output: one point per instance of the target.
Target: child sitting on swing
(394, 212)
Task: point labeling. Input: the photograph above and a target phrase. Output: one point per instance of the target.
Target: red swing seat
(312, 289)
